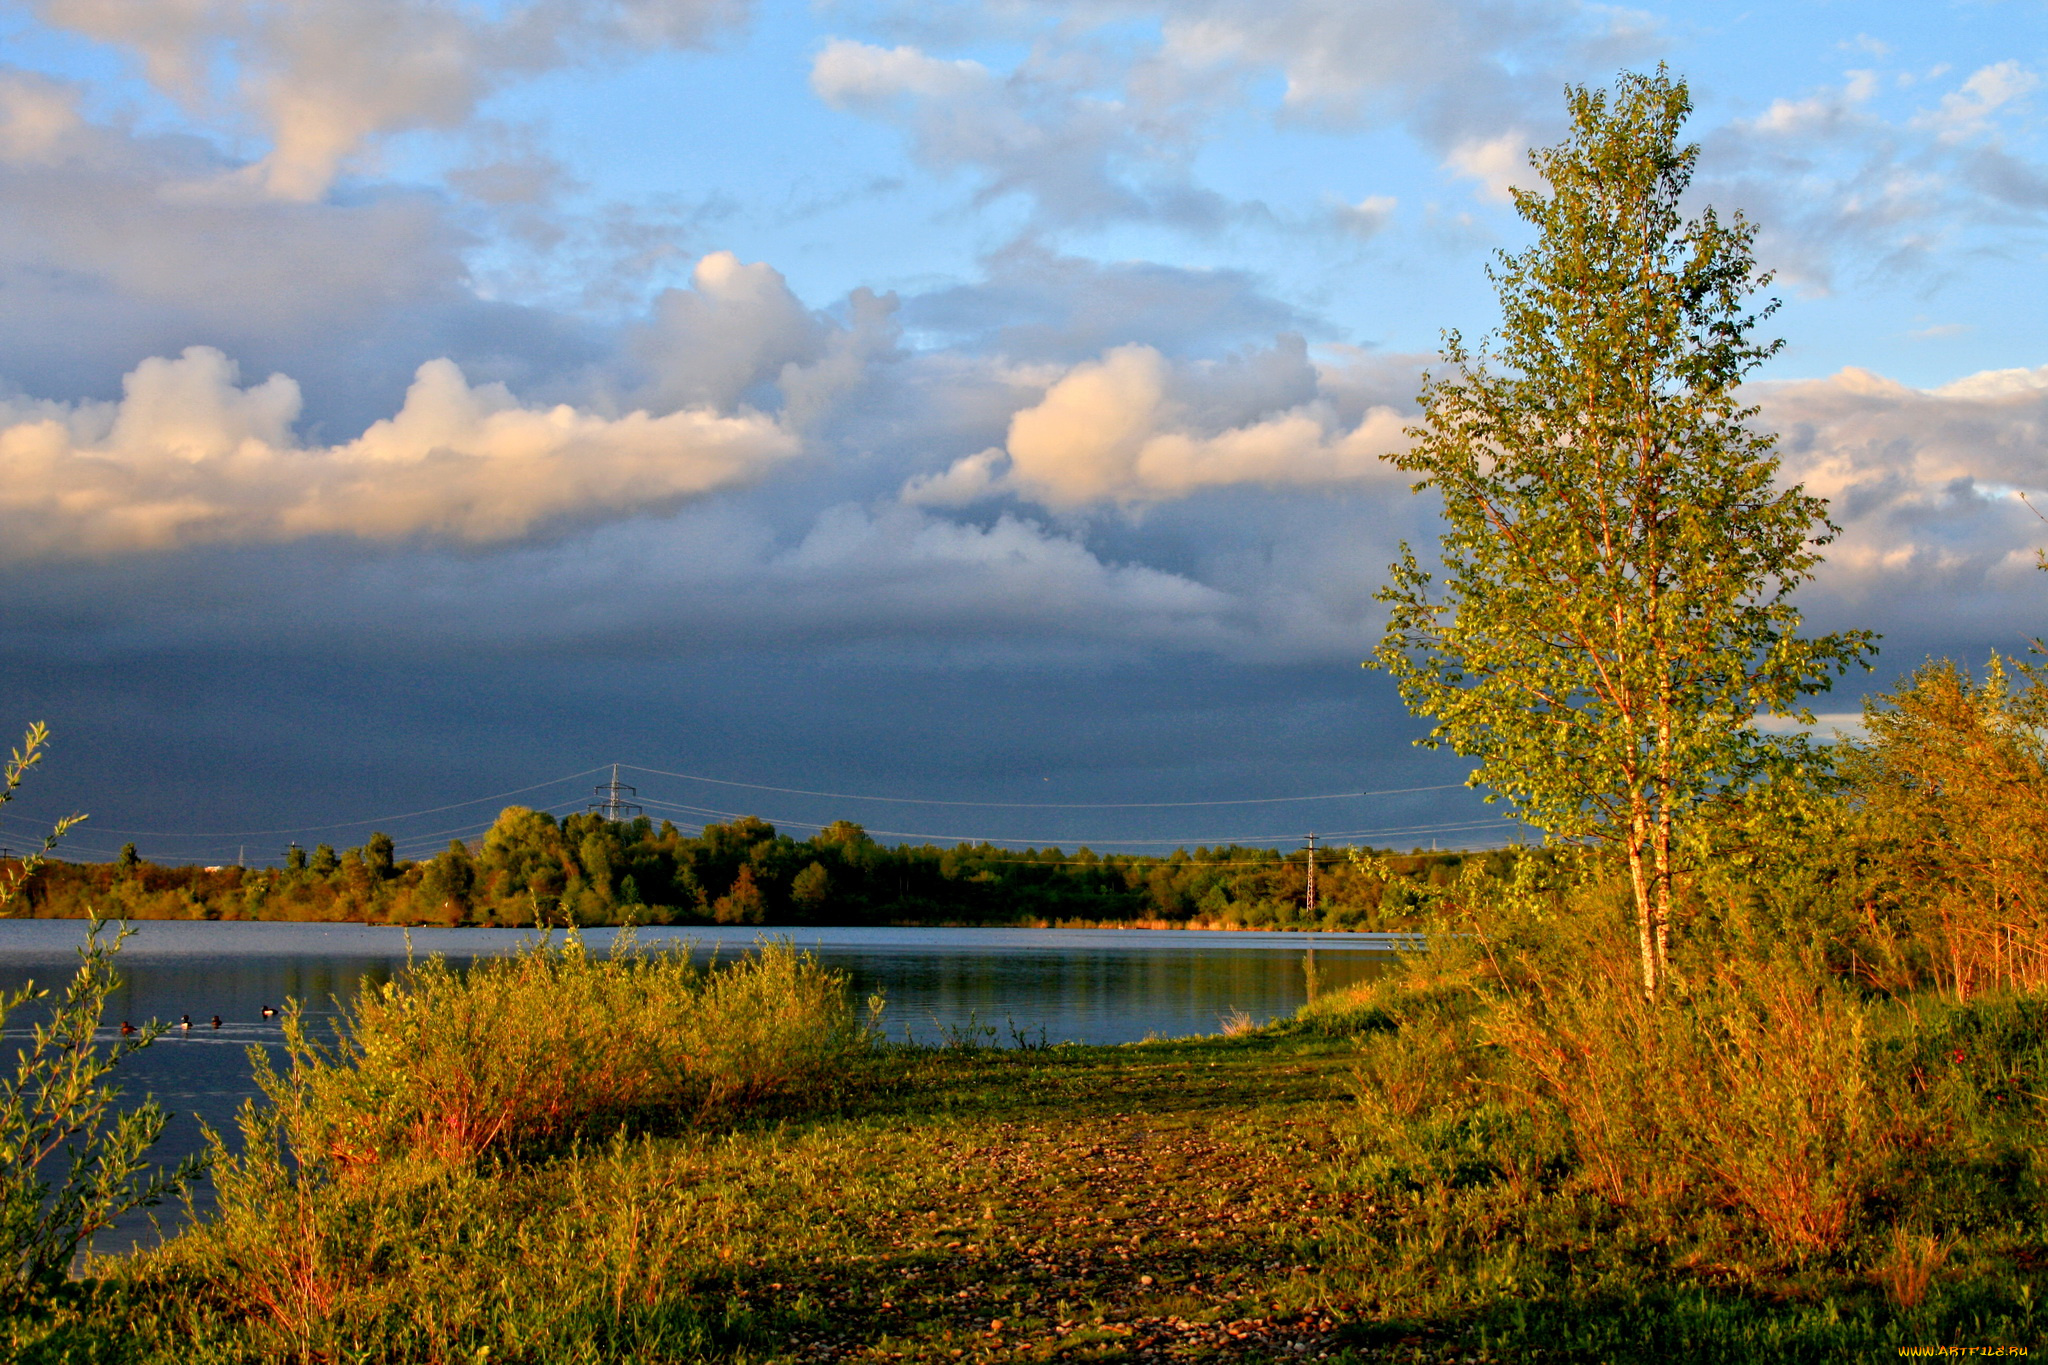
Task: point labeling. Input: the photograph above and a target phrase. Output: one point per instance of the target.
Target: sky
(960, 418)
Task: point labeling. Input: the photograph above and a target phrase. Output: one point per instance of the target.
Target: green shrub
(420, 1188)
(59, 1111)
(540, 1046)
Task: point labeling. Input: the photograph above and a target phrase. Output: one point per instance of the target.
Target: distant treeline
(533, 869)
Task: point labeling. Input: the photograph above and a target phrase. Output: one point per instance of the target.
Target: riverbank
(1295, 1192)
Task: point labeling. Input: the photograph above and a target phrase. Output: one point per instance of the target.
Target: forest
(532, 869)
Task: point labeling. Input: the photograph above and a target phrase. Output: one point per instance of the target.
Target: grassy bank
(1385, 1178)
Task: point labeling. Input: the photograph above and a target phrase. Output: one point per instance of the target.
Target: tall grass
(398, 1172)
(540, 1046)
(1527, 1117)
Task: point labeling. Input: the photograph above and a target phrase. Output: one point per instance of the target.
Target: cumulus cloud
(736, 327)
(190, 456)
(324, 79)
(1926, 485)
(112, 248)
(739, 337)
(1129, 429)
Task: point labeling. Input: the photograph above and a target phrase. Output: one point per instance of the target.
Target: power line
(1041, 805)
(1447, 827)
(343, 824)
(615, 804)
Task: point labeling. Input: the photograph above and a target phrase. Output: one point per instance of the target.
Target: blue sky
(404, 400)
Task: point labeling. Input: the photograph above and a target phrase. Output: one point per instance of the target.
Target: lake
(999, 986)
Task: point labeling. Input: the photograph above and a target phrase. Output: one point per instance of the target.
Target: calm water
(1064, 985)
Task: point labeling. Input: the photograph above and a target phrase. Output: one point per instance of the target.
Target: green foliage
(59, 1116)
(537, 1048)
(379, 854)
(532, 870)
(811, 887)
(1545, 1147)
(1618, 559)
(440, 1175)
(20, 762)
(1947, 835)
(58, 1110)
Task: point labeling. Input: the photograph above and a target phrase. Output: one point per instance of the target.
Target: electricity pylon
(613, 803)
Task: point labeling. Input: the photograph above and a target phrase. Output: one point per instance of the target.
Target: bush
(390, 1187)
(1748, 1089)
(538, 1047)
(1532, 1129)
(59, 1110)
(1950, 831)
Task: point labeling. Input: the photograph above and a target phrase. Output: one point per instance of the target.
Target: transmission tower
(614, 802)
(1311, 874)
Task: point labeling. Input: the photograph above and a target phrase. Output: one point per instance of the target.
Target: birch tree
(1617, 561)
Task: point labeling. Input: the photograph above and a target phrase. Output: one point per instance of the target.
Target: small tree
(19, 764)
(1950, 834)
(381, 854)
(59, 1113)
(1618, 560)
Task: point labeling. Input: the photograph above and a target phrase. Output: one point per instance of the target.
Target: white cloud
(1095, 125)
(324, 79)
(1368, 217)
(1058, 131)
(1500, 164)
(1926, 486)
(1837, 184)
(189, 456)
(1968, 110)
(734, 328)
(853, 73)
(108, 254)
(739, 338)
(1990, 384)
(910, 571)
(1454, 69)
(1123, 429)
